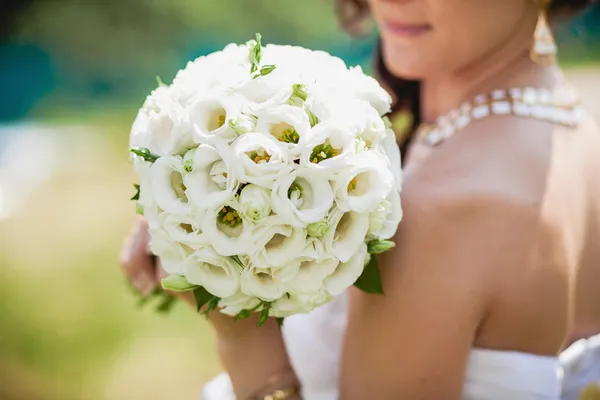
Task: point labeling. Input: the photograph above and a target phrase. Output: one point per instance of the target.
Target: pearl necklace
(528, 102)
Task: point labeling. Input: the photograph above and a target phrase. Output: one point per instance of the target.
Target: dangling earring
(543, 49)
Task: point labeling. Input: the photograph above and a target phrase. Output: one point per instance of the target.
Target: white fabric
(314, 343)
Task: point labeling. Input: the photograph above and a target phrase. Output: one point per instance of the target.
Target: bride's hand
(142, 269)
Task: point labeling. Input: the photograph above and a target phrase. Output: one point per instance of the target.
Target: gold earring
(543, 49)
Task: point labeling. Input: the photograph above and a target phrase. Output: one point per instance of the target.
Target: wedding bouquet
(268, 176)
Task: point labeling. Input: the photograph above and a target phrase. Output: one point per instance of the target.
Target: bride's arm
(452, 254)
(414, 341)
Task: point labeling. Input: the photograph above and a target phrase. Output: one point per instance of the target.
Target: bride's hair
(354, 15)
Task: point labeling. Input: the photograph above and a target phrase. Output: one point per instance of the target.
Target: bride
(501, 227)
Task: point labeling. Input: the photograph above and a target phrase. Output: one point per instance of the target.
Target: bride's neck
(507, 66)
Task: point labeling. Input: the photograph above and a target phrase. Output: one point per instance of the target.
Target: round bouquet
(269, 177)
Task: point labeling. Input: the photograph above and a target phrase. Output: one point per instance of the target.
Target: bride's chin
(403, 65)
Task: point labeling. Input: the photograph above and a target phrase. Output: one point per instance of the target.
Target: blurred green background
(72, 75)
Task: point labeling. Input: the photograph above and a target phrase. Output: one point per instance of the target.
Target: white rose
(233, 305)
(387, 144)
(259, 159)
(184, 229)
(329, 147)
(367, 88)
(161, 124)
(364, 183)
(309, 274)
(383, 222)
(217, 274)
(302, 197)
(275, 243)
(210, 181)
(255, 202)
(347, 273)
(287, 124)
(261, 283)
(172, 255)
(226, 231)
(168, 188)
(347, 233)
(209, 116)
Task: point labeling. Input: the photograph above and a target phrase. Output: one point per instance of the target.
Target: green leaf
(136, 196)
(264, 71)
(202, 297)
(144, 153)
(279, 321)
(237, 261)
(142, 300)
(246, 313)
(370, 279)
(166, 303)
(264, 315)
(139, 209)
(299, 90)
(380, 246)
(312, 118)
(177, 283)
(255, 54)
(212, 304)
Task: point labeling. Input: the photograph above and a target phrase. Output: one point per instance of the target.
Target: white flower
(347, 273)
(226, 231)
(168, 188)
(364, 183)
(259, 159)
(276, 243)
(161, 124)
(289, 305)
(387, 145)
(255, 202)
(287, 124)
(310, 274)
(367, 88)
(242, 124)
(172, 255)
(261, 283)
(211, 181)
(302, 197)
(217, 274)
(348, 231)
(209, 117)
(383, 222)
(329, 147)
(233, 305)
(184, 229)
(299, 303)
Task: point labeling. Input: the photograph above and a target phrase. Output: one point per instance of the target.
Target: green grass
(70, 326)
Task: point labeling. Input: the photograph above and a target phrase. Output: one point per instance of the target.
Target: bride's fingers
(135, 261)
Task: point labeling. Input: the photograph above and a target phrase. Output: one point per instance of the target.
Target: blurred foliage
(91, 52)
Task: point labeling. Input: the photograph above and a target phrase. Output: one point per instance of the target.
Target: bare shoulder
(481, 199)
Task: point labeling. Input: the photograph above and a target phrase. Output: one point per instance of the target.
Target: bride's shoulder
(486, 186)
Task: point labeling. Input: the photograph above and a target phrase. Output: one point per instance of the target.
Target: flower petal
(212, 181)
(167, 185)
(347, 273)
(347, 233)
(217, 274)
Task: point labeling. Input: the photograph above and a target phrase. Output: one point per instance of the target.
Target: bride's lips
(405, 29)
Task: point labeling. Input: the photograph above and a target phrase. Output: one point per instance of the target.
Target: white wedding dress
(314, 344)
